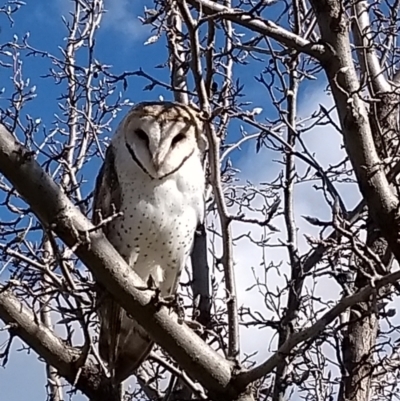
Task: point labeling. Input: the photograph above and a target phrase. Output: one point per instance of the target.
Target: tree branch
(365, 47)
(57, 212)
(357, 134)
(177, 56)
(263, 27)
(216, 181)
(67, 360)
(313, 331)
(296, 278)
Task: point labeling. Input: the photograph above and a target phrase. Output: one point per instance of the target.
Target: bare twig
(256, 24)
(215, 179)
(313, 331)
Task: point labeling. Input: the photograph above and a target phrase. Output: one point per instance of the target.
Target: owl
(153, 181)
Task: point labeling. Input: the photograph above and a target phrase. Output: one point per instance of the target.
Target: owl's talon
(151, 283)
(174, 302)
(171, 299)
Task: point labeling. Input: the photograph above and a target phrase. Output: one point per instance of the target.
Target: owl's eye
(177, 139)
(142, 135)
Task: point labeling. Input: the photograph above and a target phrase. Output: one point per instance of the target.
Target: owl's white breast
(159, 218)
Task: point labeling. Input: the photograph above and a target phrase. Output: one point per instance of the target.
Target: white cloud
(122, 16)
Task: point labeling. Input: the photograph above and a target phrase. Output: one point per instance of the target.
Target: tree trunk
(360, 336)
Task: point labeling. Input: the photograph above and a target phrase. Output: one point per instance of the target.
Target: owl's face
(162, 136)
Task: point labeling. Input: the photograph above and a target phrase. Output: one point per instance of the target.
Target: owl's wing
(107, 192)
(106, 202)
(123, 344)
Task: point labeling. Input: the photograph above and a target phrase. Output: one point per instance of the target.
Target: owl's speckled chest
(156, 231)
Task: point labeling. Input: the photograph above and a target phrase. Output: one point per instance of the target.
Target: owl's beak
(158, 159)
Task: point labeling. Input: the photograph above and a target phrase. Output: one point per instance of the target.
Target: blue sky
(120, 44)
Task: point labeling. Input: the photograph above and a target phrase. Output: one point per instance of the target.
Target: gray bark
(360, 337)
(69, 362)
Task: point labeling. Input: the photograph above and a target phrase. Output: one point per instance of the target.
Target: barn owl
(152, 174)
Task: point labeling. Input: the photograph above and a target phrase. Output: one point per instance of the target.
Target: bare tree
(293, 282)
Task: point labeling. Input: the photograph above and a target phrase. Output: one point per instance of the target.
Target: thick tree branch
(68, 361)
(359, 337)
(176, 56)
(367, 56)
(263, 27)
(57, 212)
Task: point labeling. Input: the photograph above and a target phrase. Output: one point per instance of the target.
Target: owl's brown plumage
(153, 174)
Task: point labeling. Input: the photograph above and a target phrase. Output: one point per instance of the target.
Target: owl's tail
(123, 343)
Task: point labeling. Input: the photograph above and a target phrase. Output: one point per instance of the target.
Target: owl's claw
(169, 300)
(172, 298)
(151, 283)
(174, 302)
